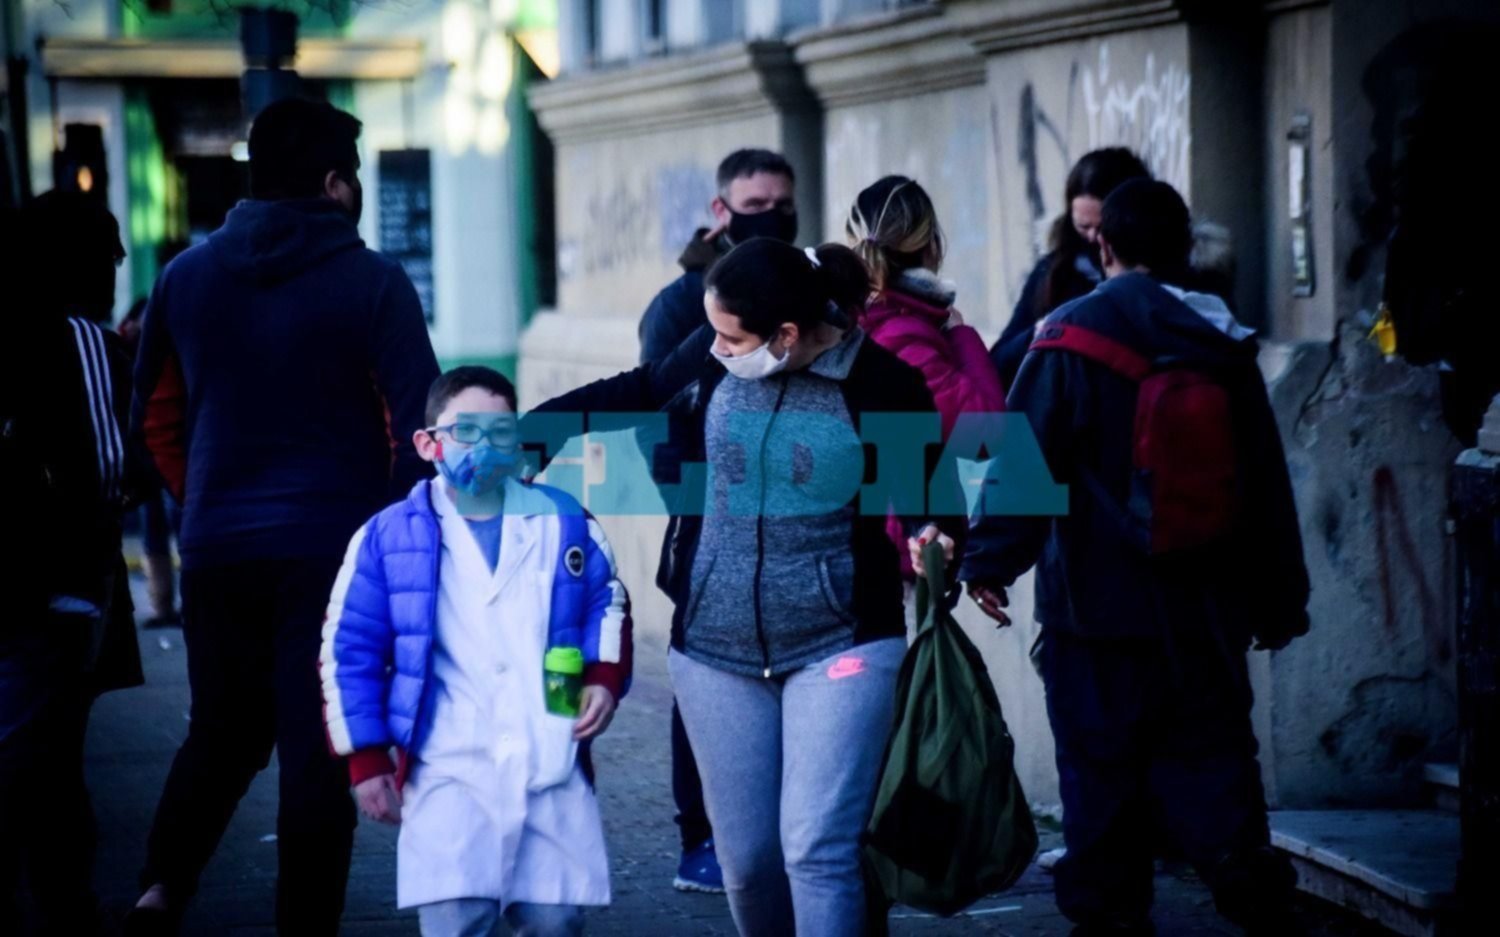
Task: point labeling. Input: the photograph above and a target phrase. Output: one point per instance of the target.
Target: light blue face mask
(477, 470)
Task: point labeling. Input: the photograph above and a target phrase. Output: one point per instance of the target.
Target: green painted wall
(146, 184)
(201, 18)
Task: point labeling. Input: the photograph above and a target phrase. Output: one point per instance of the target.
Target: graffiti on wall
(638, 220)
(683, 192)
(1149, 115)
(1147, 111)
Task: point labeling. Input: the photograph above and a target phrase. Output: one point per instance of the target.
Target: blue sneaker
(699, 871)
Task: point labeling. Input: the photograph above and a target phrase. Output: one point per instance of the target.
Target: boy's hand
(379, 799)
(598, 712)
(929, 534)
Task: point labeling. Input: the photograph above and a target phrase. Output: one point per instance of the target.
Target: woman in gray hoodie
(789, 631)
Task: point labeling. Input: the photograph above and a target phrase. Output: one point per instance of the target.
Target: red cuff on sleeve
(369, 763)
(165, 425)
(609, 676)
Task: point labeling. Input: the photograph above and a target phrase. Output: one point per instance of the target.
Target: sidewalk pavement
(134, 734)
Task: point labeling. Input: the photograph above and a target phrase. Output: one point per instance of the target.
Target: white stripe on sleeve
(328, 664)
(612, 625)
(90, 381)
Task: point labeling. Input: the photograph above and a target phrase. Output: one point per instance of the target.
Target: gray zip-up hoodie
(773, 577)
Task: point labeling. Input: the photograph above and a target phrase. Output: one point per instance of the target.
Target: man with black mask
(755, 199)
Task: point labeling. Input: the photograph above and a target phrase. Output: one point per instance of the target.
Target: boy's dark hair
(766, 282)
(742, 164)
(458, 380)
(1147, 224)
(295, 143)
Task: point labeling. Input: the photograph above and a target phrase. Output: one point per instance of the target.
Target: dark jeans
(47, 832)
(1151, 734)
(687, 788)
(253, 632)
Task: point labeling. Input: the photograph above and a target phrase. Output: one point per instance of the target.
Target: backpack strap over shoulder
(1096, 346)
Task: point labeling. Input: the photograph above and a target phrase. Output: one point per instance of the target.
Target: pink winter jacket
(955, 363)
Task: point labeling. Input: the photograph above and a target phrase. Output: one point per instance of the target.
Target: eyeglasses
(500, 435)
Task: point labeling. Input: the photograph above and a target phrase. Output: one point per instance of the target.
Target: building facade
(1284, 121)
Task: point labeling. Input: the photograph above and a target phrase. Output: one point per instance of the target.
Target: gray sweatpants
(789, 772)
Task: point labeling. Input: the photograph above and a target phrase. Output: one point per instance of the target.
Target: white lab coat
(495, 805)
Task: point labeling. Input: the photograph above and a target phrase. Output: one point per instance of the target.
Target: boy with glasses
(459, 629)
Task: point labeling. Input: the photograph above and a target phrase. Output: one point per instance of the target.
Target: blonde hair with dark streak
(893, 227)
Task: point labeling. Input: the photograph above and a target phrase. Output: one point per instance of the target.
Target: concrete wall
(627, 206)
(1359, 705)
(1298, 80)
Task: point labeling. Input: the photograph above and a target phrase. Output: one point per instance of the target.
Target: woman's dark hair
(893, 227)
(1096, 174)
(460, 379)
(766, 282)
(295, 143)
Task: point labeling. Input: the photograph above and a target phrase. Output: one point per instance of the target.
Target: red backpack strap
(1096, 346)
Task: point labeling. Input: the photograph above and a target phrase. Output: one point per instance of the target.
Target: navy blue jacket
(1252, 585)
(1077, 279)
(677, 311)
(283, 368)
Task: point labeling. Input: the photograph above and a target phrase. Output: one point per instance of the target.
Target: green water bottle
(562, 674)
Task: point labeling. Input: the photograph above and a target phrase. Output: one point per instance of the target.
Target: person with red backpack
(1180, 548)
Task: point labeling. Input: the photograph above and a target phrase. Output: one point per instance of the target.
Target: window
(653, 26)
(592, 32)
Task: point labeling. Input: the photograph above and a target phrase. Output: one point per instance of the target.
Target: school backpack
(1184, 491)
(951, 823)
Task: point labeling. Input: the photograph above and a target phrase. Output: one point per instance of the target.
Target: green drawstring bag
(951, 823)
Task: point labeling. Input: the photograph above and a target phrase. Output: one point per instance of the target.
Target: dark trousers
(687, 788)
(253, 632)
(1154, 737)
(47, 834)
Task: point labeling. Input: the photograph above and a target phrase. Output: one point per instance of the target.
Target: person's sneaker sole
(687, 884)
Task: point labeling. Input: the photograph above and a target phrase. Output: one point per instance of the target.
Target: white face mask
(757, 364)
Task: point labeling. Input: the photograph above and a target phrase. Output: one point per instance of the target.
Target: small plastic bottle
(562, 675)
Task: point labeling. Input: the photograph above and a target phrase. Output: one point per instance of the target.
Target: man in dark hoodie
(283, 369)
(756, 199)
(1144, 658)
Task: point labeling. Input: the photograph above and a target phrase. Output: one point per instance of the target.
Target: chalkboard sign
(406, 216)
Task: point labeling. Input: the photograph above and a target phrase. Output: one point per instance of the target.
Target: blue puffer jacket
(376, 660)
